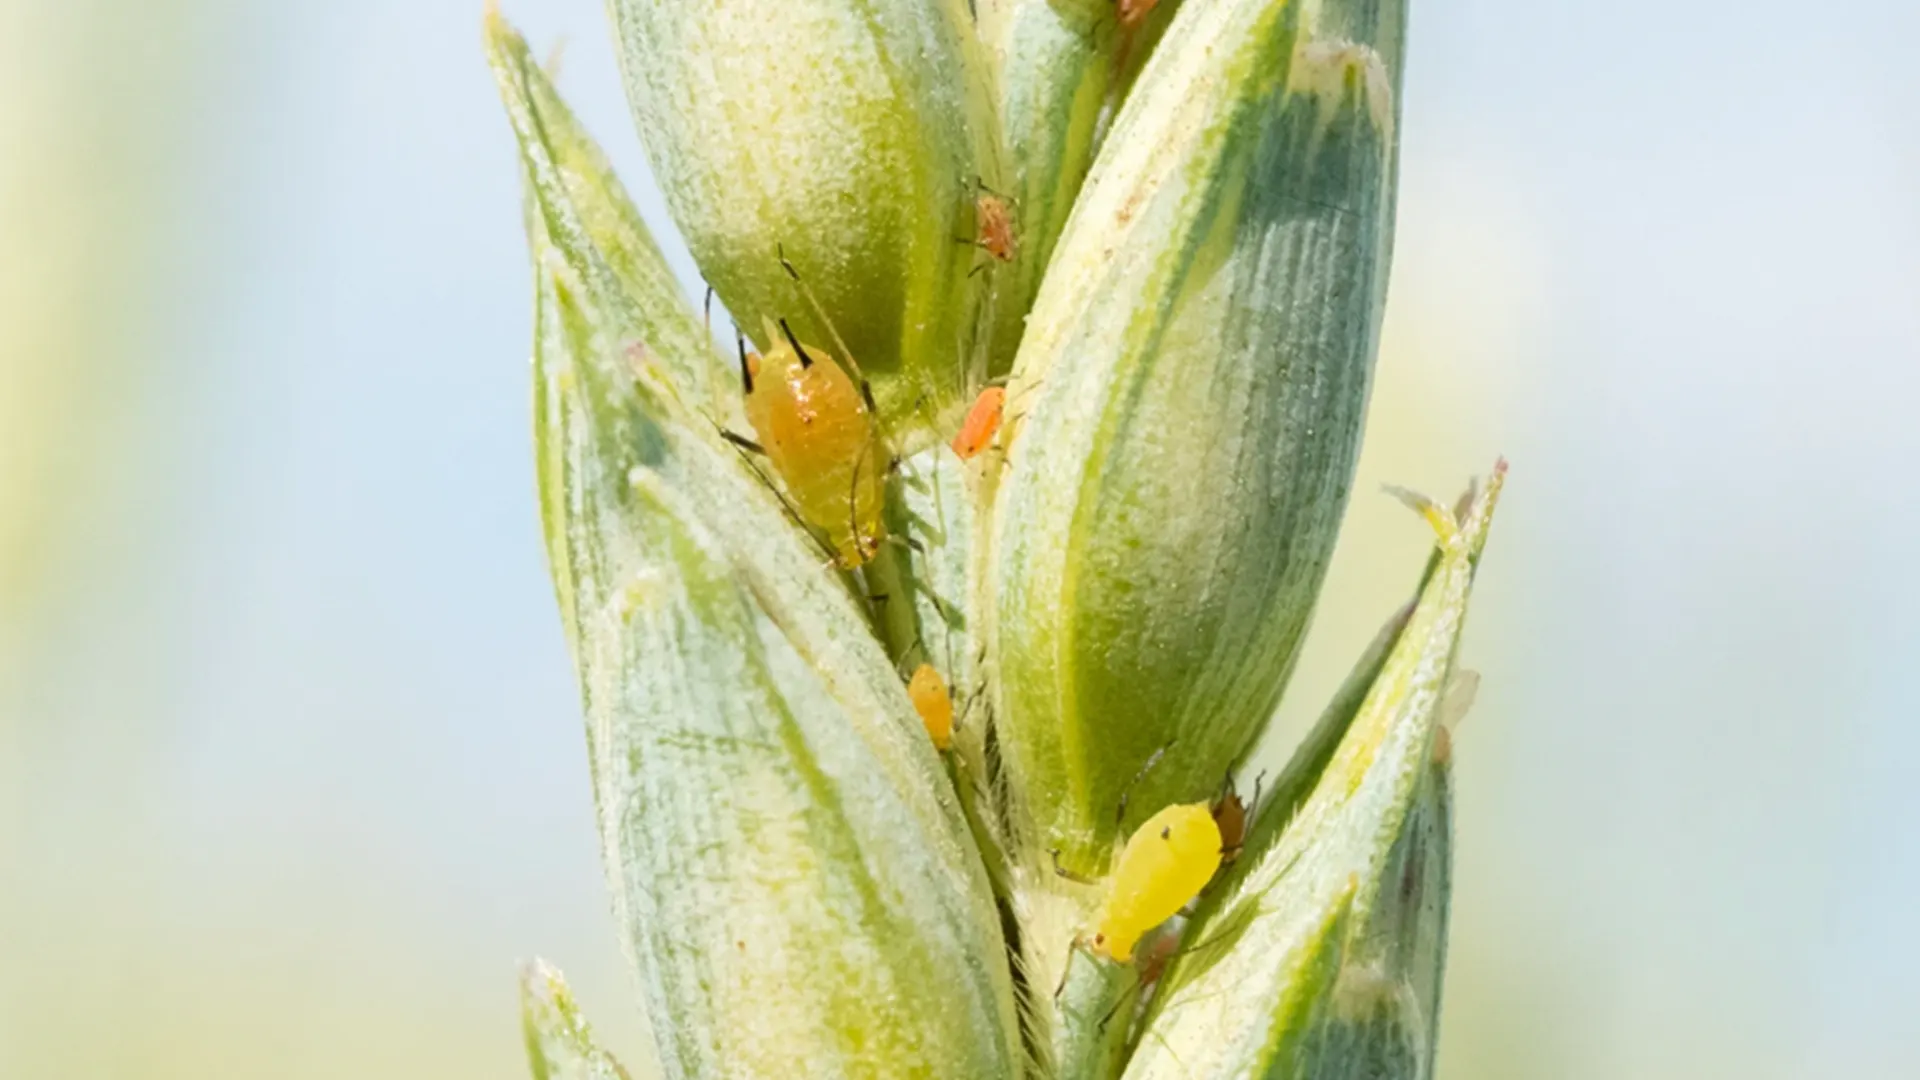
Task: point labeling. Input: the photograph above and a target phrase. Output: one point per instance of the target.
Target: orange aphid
(993, 227)
(935, 706)
(982, 423)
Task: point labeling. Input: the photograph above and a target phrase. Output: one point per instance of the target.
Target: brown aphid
(1233, 815)
(1230, 815)
(993, 227)
(934, 704)
(982, 423)
(818, 433)
(1133, 12)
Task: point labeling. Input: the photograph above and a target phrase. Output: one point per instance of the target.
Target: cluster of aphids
(815, 421)
(813, 415)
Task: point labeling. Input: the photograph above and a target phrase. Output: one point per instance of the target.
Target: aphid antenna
(981, 183)
(820, 313)
(906, 654)
(1127, 792)
(1226, 786)
(706, 311)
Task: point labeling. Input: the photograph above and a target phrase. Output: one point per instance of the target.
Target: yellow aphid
(1166, 862)
(818, 434)
(935, 706)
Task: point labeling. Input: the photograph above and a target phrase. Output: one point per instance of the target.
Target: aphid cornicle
(982, 423)
(934, 704)
(1166, 862)
(818, 433)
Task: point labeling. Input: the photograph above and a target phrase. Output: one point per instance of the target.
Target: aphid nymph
(934, 704)
(982, 423)
(993, 226)
(817, 431)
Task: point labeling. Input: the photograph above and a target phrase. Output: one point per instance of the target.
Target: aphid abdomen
(1166, 862)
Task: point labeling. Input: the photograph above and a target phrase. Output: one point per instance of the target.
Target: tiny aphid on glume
(982, 423)
(1165, 864)
(934, 704)
(993, 226)
(817, 430)
(1233, 815)
(1133, 12)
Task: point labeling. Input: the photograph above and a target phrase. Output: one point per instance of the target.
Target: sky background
(291, 773)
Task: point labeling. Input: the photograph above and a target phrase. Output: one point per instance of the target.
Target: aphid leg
(1077, 879)
(1079, 945)
(1125, 997)
(746, 368)
(706, 311)
(743, 443)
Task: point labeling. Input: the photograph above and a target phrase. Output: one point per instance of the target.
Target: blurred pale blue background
(290, 771)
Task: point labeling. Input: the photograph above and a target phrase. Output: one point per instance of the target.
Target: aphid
(993, 227)
(1133, 12)
(934, 704)
(1233, 814)
(1230, 817)
(982, 423)
(817, 430)
(1166, 862)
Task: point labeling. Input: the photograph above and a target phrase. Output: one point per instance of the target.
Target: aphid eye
(1166, 833)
